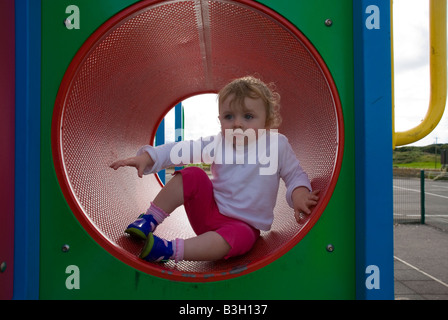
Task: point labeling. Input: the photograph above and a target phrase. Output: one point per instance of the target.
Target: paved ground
(421, 262)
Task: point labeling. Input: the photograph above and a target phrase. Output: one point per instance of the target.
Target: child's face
(252, 116)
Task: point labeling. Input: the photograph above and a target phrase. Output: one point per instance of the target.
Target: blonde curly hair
(254, 88)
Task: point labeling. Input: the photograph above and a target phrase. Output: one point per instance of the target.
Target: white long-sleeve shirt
(245, 179)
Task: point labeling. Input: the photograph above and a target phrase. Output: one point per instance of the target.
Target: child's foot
(156, 249)
(141, 227)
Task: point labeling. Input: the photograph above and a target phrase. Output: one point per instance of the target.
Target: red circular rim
(129, 258)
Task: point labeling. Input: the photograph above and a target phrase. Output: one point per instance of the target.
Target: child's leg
(209, 246)
(171, 196)
(168, 199)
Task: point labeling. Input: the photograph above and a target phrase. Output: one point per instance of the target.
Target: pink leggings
(204, 216)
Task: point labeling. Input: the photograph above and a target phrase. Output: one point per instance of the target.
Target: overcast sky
(411, 59)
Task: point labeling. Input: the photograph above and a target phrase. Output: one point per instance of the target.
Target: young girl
(228, 211)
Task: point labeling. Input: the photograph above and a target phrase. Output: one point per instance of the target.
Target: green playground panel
(308, 271)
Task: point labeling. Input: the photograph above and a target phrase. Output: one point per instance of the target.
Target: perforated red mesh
(146, 59)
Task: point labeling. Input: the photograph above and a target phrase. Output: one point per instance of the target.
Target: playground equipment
(178, 134)
(94, 79)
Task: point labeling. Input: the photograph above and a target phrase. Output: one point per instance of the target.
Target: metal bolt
(3, 266)
(330, 248)
(328, 22)
(65, 248)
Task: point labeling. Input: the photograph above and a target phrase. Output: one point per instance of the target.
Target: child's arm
(303, 200)
(139, 162)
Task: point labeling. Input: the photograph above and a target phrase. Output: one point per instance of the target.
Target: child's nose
(237, 124)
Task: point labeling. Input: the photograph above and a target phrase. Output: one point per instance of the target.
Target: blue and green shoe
(156, 249)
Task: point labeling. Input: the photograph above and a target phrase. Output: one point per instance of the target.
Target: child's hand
(303, 200)
(139, 162)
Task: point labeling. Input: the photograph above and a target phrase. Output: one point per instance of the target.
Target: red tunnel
(142, 62)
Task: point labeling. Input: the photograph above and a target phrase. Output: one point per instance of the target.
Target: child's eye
(248, 116)
(228, 117)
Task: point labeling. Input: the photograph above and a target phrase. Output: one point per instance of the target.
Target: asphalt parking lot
(420, 262)
(420, 251)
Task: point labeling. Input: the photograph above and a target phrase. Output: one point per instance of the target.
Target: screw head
(330, 248)
(3, 266)
(65, 248)
(328, 22)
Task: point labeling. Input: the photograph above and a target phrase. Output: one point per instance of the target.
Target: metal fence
(421, 197)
